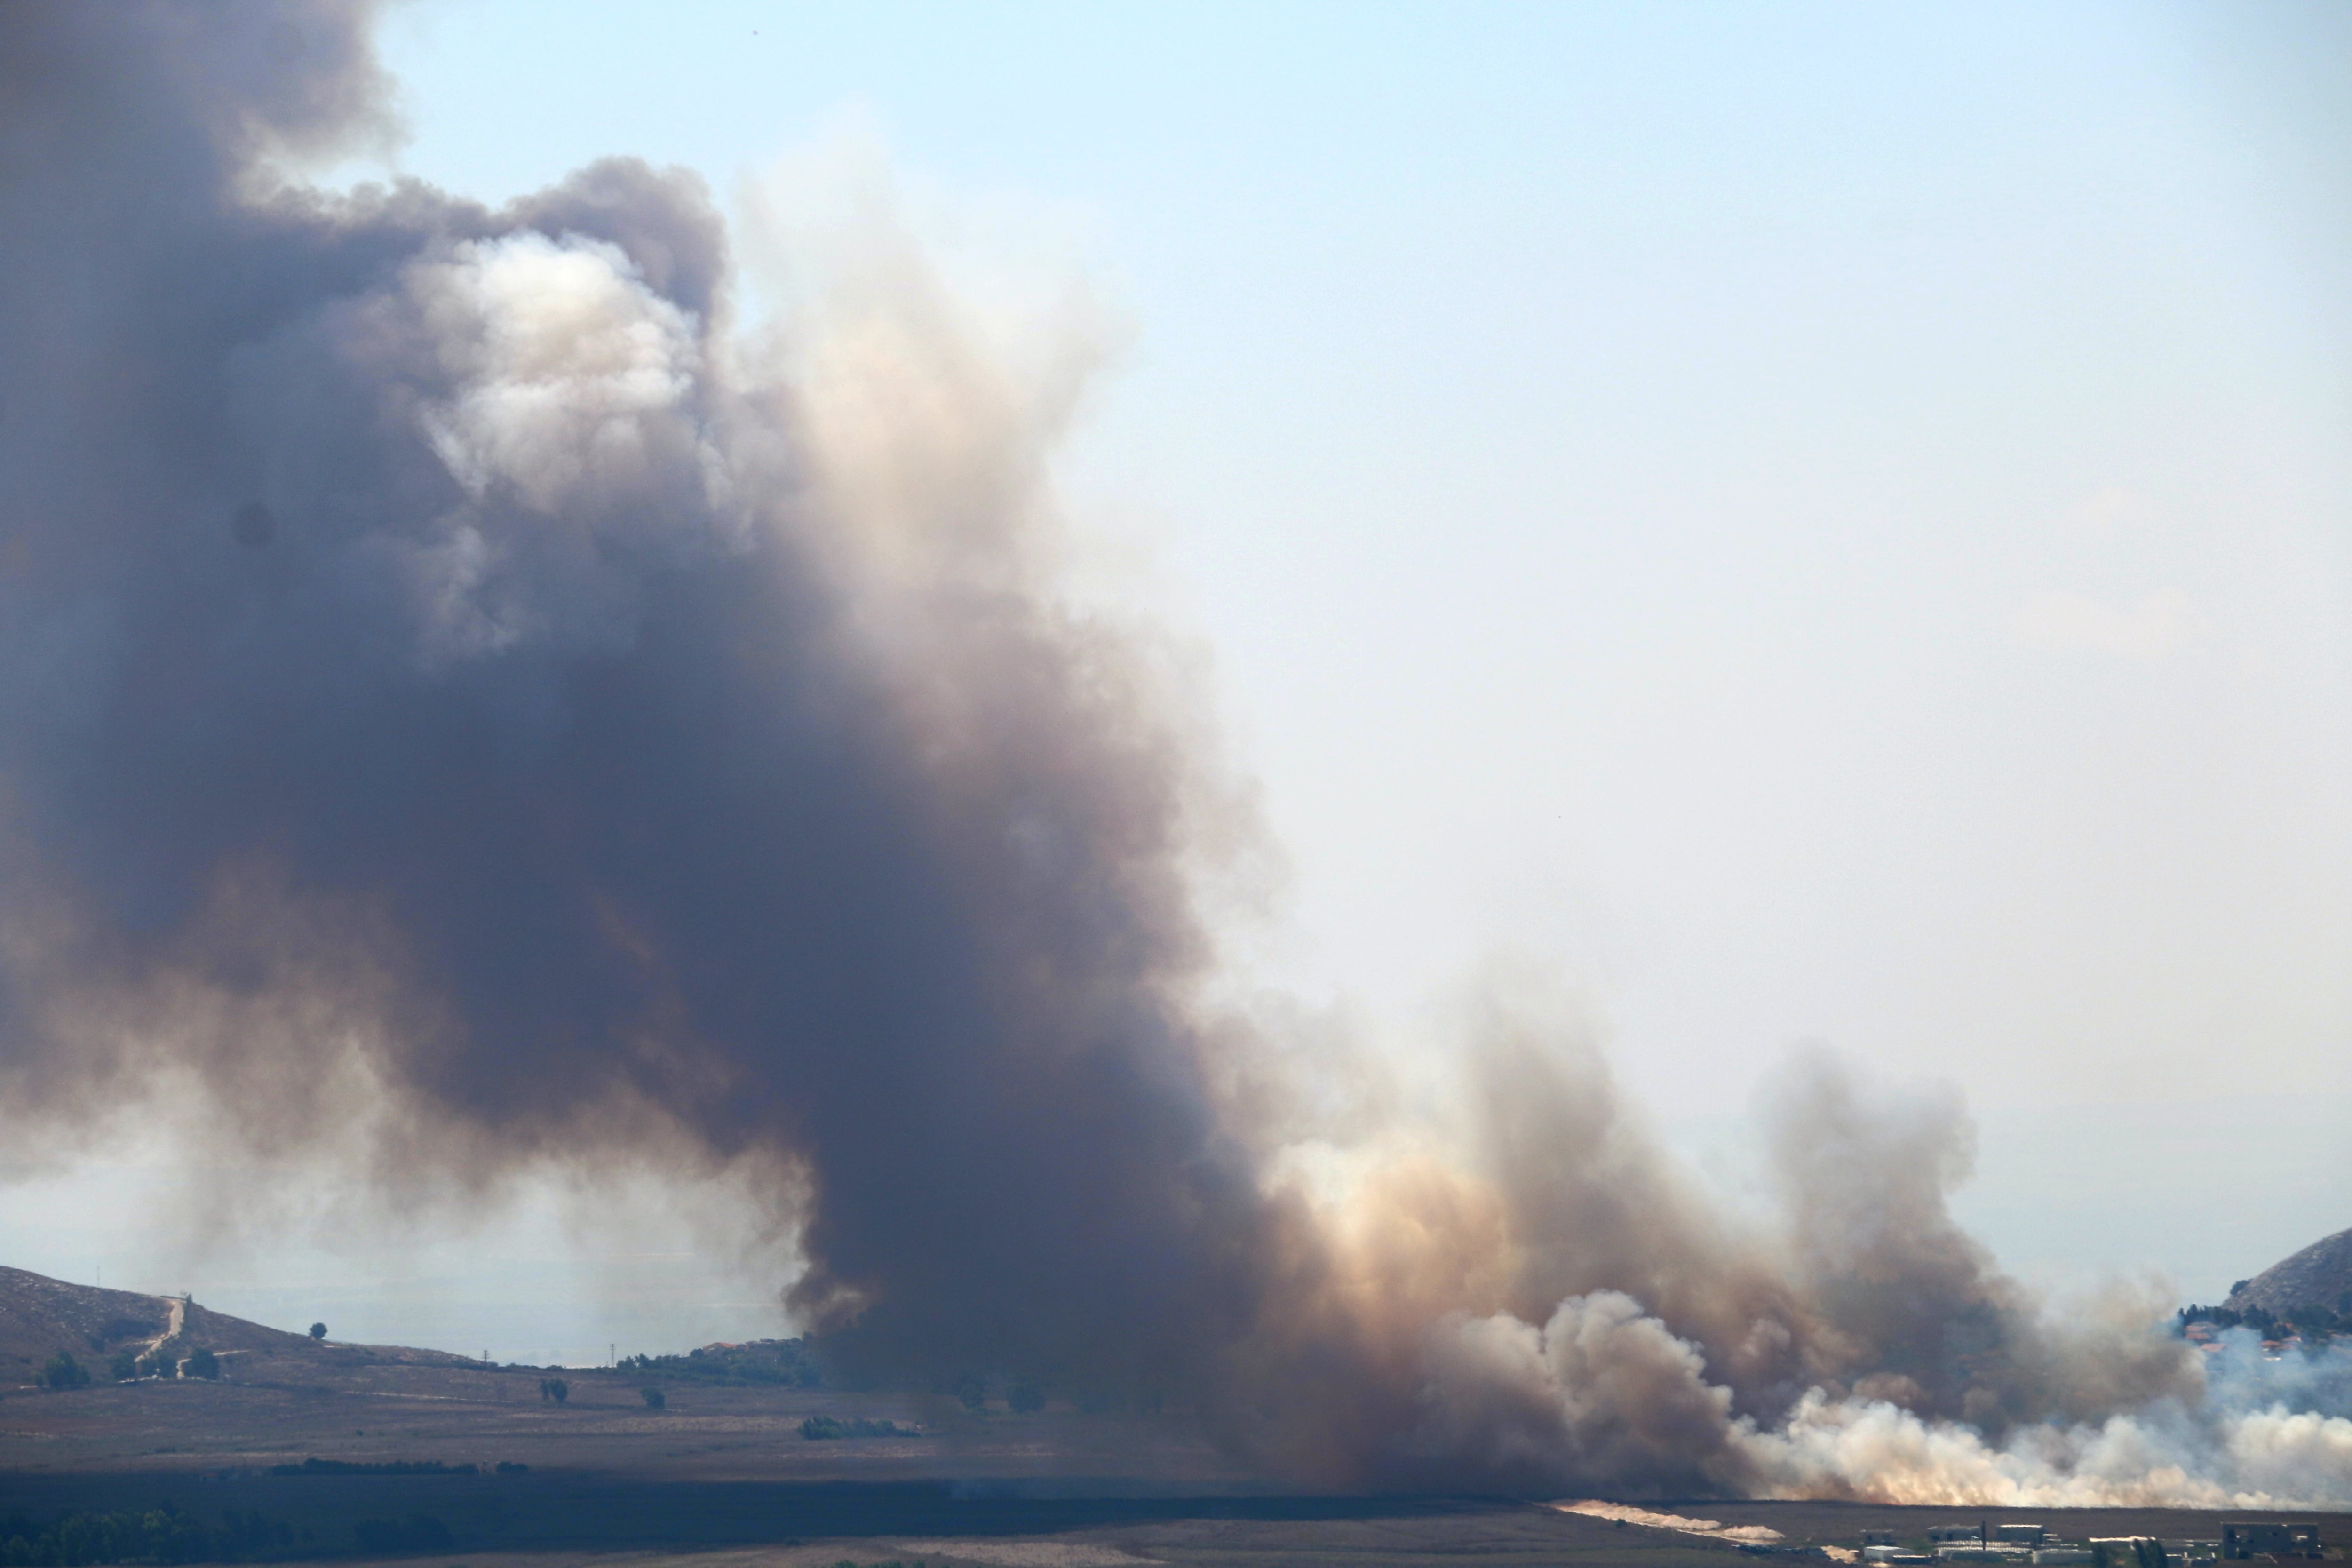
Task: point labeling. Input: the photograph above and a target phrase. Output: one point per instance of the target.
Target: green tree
(318, 1331)
(203, 1363)
(654, 1397)
(123, 1367)
(62, 1371)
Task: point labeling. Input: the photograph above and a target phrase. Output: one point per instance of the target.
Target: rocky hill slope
(2319, 1275)
(40, 1316)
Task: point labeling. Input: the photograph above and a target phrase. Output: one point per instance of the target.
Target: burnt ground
(722, 1477)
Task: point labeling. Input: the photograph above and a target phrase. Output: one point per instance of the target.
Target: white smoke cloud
(1604, 1395)
(560, 392)
(568, 376)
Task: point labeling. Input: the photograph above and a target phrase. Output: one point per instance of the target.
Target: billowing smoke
(471, 705)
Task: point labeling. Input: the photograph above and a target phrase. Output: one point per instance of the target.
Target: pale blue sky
(1818, 521)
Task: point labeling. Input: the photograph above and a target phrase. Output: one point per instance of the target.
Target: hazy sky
(1820, 521)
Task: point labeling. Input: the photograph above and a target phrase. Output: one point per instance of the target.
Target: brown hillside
(40, 1316)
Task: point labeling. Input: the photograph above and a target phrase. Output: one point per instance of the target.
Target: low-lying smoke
(469, 704)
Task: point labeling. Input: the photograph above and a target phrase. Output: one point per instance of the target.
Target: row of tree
(158, 1535)
(2313, 1319)
(165, 1535)
(794, 1363)
(62, 1371)
(789, 1362)
(834, 1428)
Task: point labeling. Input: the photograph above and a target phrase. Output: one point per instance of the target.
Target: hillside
(2321, 1275)
(40, 1316)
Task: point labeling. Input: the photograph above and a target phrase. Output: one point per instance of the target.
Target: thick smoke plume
(468, 703)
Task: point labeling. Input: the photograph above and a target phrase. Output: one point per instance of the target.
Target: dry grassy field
(723, 1474)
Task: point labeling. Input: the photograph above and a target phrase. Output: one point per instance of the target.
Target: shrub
(655, 1398)
(830, 1429)
(203, 1363)
(62, 1371)
(2314, 1318)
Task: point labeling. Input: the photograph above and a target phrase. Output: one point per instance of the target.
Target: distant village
(2310, 1327)
(2033, 1543)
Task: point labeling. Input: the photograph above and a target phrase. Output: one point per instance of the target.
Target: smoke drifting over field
(468, 704)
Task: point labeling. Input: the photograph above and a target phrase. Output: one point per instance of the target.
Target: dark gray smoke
(468, 703)
(421, 667)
